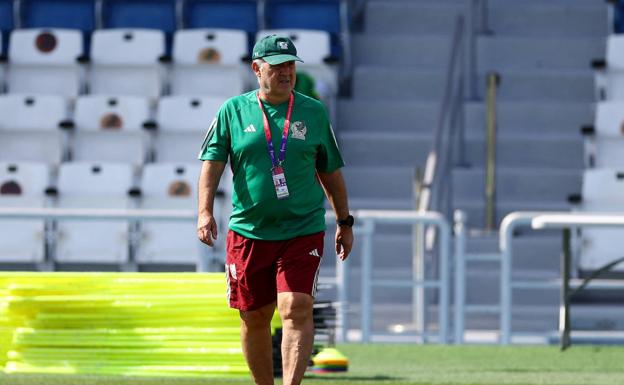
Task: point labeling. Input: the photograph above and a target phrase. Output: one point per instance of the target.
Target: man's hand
(344, 241)
(207, 229)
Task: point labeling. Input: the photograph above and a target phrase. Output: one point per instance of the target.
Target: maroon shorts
(257, 270)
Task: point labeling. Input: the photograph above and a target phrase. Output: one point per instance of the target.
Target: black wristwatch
(348, 221)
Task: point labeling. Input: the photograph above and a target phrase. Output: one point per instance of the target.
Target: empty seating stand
(126, 62)
(29, 128)
(609, 78)
(234, 14)
(144, 14)
(182, 123)
(604, 142)
(65, 14)
(209, 62)
(95, 185)
(45, 61)
(23, 185)
(602, 192)
(111, 129)
(324, 15)
(6, 22)
(171, 186)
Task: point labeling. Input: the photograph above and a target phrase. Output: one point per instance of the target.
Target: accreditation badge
(279, 181)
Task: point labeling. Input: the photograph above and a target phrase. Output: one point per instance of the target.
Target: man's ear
(255, 68)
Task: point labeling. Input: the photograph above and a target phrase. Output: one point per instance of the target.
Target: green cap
(275, 50)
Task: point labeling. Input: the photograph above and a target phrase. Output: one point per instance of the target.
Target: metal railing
(366, 219)
(538, 221)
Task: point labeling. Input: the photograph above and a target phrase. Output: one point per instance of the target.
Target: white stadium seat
(29, 128)
(110, 129)
(44, 61)
(182, 123)
(602, 192)
(604, 148)
(23, 185)
(208, 62)
(170, 186)
(610, 81)
(126, 62)
(93, 186)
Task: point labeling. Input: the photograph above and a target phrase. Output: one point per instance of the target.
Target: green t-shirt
(237, 133)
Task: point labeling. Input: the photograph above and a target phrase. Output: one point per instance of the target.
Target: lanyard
(267, 132)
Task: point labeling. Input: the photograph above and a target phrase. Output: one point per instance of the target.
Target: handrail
(437, 170)
(366, 220)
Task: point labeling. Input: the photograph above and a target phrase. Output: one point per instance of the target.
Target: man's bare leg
(257, 343)
(297, 334)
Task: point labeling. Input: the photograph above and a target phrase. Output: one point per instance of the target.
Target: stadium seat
(605, 146)
(150, 14)
(324, 15)
(93, 186)
(182, 123)
(66, 14)
(6, 22)
(29, 128)
(44, 61)
(23, 184)
(126, 62)
(170, 186)
(602, 192)
(609, 78)
(110, 129)
(208, 62)
(233, 14)
(313, 47)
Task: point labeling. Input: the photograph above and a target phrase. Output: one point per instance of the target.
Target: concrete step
(427, 52)
(409, 83)
(384, 83)
(496, 53)
(544, 86)
(384, 149)
(518, 184)
(410, 150)
(405, 116)
(531, 117)
(428, 17)
(548, 19)
(379, 182)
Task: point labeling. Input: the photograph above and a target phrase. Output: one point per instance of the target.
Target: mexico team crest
(298, 130)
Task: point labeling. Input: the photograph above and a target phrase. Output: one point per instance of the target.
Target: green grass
(423, 365)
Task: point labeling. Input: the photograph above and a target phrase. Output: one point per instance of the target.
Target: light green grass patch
(423, 365)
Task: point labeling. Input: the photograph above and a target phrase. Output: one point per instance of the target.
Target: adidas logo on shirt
(314, 253)
(250, 128)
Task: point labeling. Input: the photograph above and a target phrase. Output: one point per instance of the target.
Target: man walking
(284, 159)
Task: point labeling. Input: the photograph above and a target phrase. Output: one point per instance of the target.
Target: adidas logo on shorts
(314, 253)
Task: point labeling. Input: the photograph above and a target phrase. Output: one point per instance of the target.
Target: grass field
(423, 365)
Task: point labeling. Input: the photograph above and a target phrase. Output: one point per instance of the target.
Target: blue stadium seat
(6, 22)
(69, 14)
(151, 14)
(237, 14)
(306, 14)
(618, 17)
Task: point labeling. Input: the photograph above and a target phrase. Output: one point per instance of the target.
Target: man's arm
(208, 183)
(336, 191)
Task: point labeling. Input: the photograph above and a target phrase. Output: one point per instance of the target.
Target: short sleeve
(216, 143)
(329, 158)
